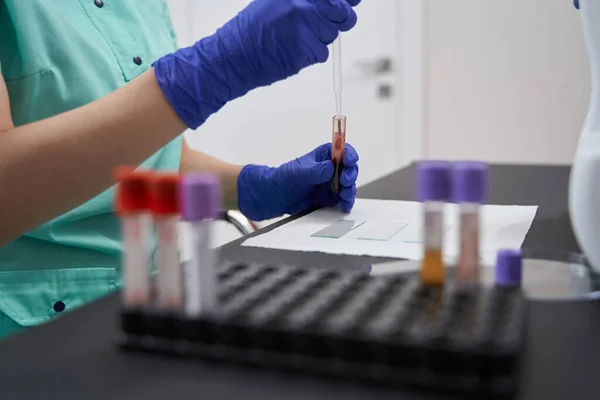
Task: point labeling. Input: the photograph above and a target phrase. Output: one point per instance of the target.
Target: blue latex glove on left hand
(265, 192)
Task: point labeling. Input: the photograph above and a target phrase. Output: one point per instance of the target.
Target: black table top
(74, 357)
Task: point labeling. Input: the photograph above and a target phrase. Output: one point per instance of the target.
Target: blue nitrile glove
(268, 41)
(576, 4)
(303, 183)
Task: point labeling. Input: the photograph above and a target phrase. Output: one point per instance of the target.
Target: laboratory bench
(75, 356)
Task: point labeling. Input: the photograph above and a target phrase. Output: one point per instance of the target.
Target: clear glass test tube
(165, 212)
(338, 143)
(201, 205)
(135, 267)
(133, 203)
(469, 192)
(204, 266)
(432, 269)
(433, 187)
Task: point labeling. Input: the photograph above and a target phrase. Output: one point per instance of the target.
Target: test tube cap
(132, 191)
(509, 267)
(470, 182)
(433, 180)
(165, 194)
(200, 197)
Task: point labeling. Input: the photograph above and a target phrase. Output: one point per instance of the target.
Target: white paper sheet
(501, 227)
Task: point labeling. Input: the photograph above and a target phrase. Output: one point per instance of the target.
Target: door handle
(378, 66)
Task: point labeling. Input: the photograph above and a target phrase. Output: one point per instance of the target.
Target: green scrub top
(57, 55)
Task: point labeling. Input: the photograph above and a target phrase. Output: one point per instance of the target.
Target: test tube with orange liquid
(433, 190)
(338, 142)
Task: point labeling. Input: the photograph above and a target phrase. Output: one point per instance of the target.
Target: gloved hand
(576, 4)
(265, 192)
(268, 41)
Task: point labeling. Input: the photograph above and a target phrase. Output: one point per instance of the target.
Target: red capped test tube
(165, 212)
(133, 206)
(338, 142)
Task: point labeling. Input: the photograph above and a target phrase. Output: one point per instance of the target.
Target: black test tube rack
(384, 330)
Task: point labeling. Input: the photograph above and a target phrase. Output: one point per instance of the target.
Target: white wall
(507, 80)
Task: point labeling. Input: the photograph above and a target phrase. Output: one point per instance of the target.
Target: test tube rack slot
(388, 330)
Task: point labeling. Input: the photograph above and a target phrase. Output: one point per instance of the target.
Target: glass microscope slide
(416, 235)
(338, 228)
(380, 230)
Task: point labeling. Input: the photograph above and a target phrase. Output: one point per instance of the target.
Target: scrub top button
(137, 60)
(99, 3)
(59, 306)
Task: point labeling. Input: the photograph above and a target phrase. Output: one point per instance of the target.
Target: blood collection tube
(165, 211)
(433, 190)
(338, 142)
(509, 268)
(133, 205)
(469, 182)
(200, 207)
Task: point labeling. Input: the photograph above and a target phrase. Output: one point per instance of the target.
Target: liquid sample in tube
(132, 205)
(433, 190)
(432, 269)
(165, 211)
(469, 191)
(467, 269)
(338, 143)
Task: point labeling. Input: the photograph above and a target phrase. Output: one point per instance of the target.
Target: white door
(275, 124)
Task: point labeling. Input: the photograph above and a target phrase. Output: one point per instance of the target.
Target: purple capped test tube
(509, 268)
(433, 190)
(201, 204)
(469, 191)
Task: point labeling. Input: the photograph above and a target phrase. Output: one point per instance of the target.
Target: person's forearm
(53, 165)
(197, 161)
